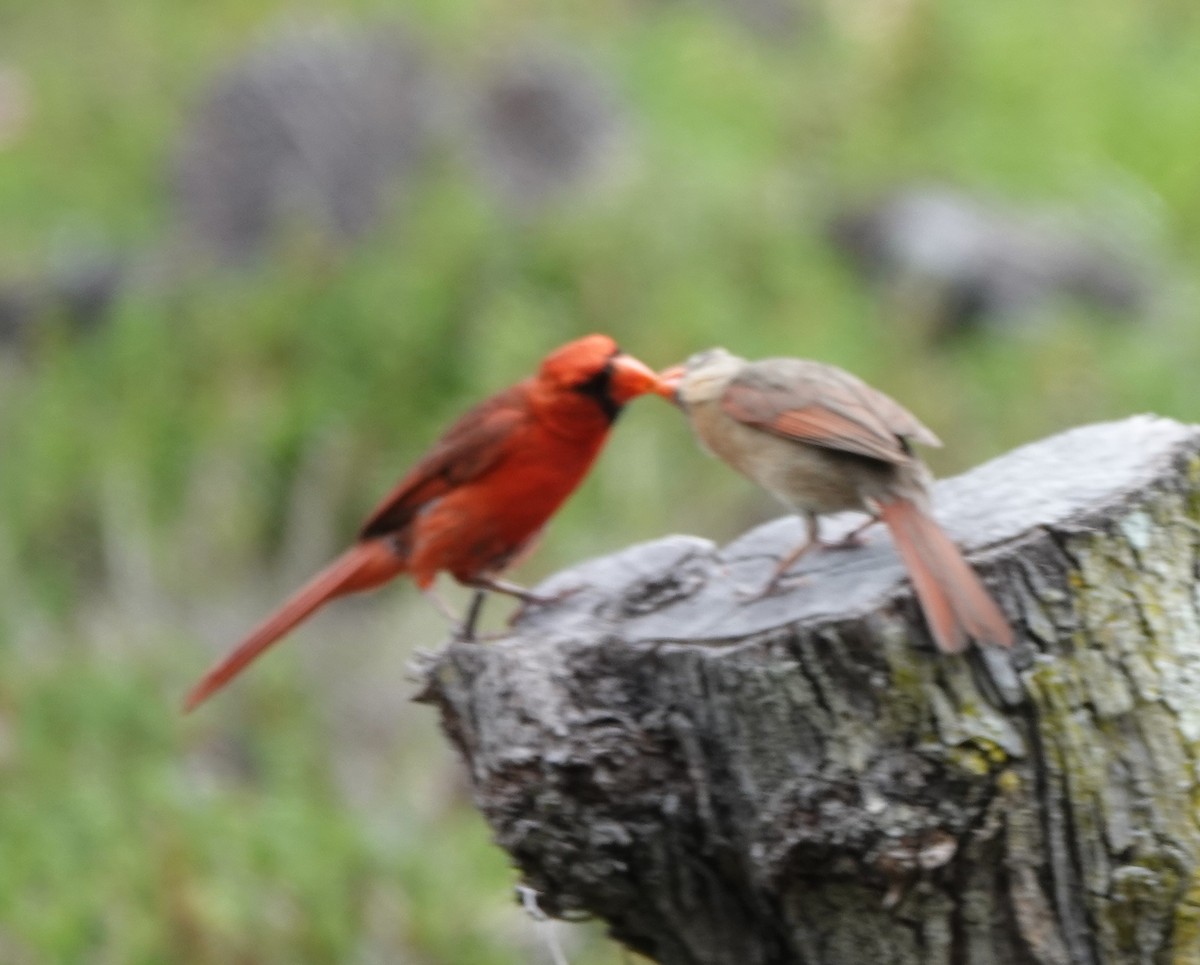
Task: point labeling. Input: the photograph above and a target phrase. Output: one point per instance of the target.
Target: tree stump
(804, 779)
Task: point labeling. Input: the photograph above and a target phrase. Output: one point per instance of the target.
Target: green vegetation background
(165, 480)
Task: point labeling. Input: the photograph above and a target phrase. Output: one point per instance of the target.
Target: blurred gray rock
(962, 262)
(320, 130)
(312, 129)
(317, 128)
(544, 125)
(776, 21)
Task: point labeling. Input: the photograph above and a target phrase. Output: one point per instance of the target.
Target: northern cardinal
(822, 441)
(479, 496)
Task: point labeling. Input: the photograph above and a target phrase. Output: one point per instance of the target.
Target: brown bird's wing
(469, 448)
(823, 406)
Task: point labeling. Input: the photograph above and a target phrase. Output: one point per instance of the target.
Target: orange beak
(632, 378)
(669, 379)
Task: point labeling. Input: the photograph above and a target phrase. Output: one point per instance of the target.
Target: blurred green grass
(165, 479)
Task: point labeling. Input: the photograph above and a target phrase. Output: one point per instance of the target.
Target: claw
(777, 584)
(848, 542)
(539, 600)
(852, 539)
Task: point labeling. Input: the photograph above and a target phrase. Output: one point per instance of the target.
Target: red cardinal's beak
(668, 381)
(632, 378)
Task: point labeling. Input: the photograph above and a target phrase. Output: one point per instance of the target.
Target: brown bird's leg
(854, 537)
(775, 583)
(811, 542)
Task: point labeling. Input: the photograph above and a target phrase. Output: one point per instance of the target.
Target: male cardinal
(821, 441)
(479, 496)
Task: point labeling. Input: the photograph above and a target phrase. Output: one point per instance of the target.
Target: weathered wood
(803, 779)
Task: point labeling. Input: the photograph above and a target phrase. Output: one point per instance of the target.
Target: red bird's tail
(363, 567)
(955, 602)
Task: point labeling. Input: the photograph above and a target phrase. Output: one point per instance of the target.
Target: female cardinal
(479, 496)
(821, 441)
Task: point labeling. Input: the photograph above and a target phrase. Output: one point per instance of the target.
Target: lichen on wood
(804, 779)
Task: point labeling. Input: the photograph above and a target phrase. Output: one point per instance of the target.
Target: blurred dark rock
(18, 308)
(83, 283)
(75, 291)
(221, 760)
(314, 128)
(544, 124)
(962, 262)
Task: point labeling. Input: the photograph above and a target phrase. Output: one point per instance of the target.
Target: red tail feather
(364, 566)
(955, 602)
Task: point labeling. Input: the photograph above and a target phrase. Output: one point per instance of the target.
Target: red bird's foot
(539, 600)
(504, 586)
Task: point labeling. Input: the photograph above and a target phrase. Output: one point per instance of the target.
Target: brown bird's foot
(852, 540)
(779, 583)
(848, 542)
(780, 580)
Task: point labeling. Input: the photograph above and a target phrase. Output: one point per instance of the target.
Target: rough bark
(803, 779)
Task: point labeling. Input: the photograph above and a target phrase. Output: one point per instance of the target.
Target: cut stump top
(683, 588)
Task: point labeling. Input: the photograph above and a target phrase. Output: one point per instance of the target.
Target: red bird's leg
(464, 628)
(527, 597)
(472, 617)
(497, 585)
(441, 605)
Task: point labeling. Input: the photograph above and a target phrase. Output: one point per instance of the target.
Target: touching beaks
(668, 381)
(632, 378)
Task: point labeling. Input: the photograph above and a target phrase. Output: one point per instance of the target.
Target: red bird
(479, 496)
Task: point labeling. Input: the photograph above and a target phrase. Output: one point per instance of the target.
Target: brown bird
(478, 497)
(822, 441)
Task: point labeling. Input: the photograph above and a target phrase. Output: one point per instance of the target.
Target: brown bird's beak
(632, 378)
(668, 381)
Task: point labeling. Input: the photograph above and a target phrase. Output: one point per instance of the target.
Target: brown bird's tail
(364, 566)
(955, 602)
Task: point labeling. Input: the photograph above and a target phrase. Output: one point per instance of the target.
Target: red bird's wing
(469, 448)
(823, 406)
